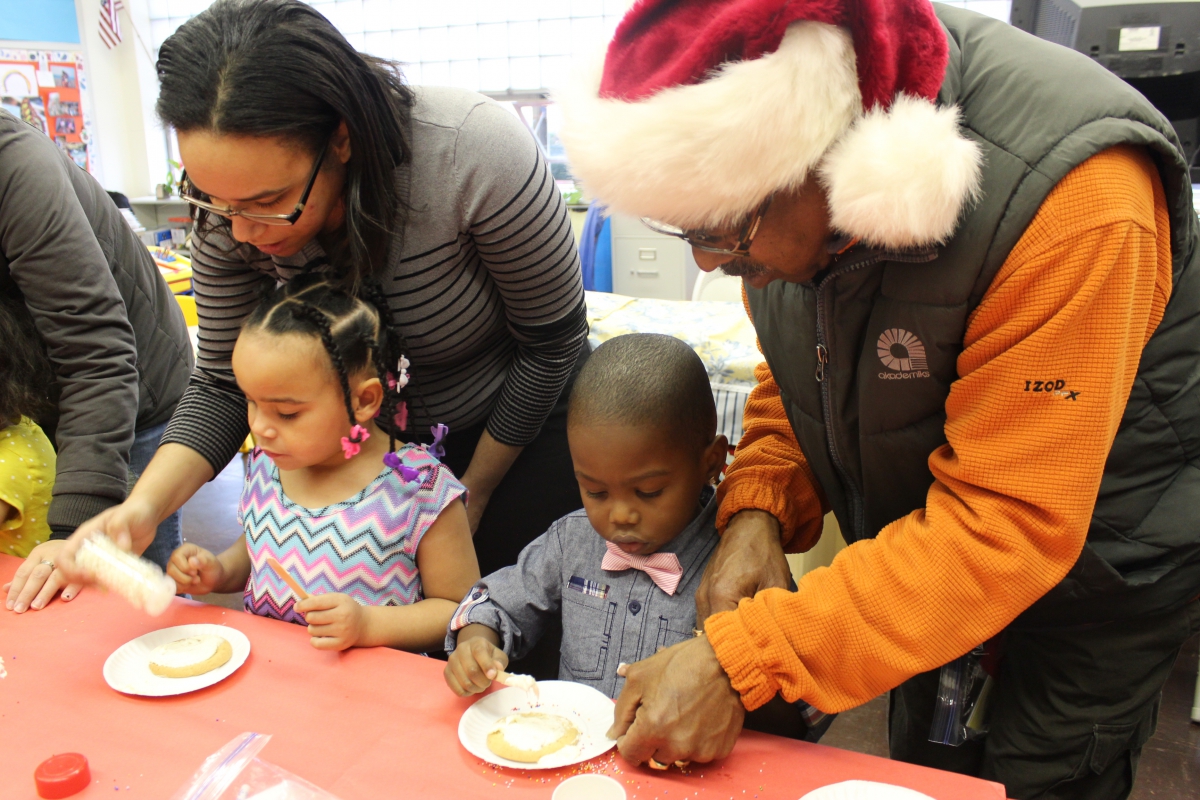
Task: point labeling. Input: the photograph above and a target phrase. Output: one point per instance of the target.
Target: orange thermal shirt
(1014, 488)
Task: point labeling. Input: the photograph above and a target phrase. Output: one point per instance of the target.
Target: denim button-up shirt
(607, 617)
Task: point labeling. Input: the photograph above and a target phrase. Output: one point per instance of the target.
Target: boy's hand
(473, 666)
(195, 570)
(335, 621)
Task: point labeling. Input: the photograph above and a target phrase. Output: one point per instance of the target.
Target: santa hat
(703, 108)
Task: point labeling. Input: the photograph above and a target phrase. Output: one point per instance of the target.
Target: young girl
(377, 537)
(27, 461)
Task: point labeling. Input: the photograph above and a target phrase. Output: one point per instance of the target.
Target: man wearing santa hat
(971, 260)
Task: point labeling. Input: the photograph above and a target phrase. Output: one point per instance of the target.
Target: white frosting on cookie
(560, 758)
(532, 732)
(186, 652)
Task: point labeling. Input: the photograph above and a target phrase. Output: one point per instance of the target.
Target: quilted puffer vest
(865, 356)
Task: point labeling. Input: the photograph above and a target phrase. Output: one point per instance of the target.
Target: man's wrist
(756, 520)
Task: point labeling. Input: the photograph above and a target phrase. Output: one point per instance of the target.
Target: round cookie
(194, 655)
(529, 736)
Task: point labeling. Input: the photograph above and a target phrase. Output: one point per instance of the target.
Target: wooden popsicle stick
(287, 578)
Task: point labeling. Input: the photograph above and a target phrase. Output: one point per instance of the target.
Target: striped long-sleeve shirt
(484, 283)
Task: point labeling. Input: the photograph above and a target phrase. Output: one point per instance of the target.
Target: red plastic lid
(62, 775)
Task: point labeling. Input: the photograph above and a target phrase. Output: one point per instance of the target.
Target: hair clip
(400, 379)
(352, 444)
(438, 448)
(407, 474)
(401, 417)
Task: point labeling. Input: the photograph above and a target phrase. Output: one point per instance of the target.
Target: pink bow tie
(663, 568)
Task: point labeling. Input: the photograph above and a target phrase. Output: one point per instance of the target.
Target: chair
(717, 285)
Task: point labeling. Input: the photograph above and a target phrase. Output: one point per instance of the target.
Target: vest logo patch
(1057, 388)
(903, 354)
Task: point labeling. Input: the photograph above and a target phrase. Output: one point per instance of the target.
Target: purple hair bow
(438, 448)
(407, 474)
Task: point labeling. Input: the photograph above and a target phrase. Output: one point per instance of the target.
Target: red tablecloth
(361, 724)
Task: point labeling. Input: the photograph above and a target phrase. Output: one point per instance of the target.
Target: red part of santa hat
(702, 108)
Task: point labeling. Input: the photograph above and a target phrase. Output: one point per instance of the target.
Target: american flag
(110, 23)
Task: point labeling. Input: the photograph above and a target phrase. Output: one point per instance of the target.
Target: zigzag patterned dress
(365, 546)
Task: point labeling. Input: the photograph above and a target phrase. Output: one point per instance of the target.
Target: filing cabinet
(649, 264)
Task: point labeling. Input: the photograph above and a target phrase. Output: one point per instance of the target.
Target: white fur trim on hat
(900, 178)
(706, 154)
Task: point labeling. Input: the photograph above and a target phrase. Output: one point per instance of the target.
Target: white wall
(488, 45)
(130, 146)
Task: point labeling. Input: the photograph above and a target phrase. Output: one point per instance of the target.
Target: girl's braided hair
(28, 387)
(356, 333)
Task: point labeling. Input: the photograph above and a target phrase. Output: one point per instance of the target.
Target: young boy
(623, 572)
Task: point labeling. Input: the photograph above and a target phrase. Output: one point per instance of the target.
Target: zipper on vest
(825, 379)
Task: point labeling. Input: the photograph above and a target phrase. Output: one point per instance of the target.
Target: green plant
(172, 182)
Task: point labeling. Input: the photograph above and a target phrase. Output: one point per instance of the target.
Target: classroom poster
(44, 89)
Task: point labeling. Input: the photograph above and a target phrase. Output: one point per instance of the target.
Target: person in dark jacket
(973, 266)
(113, 333)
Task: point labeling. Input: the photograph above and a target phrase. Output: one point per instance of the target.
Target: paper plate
(588, 709)
(864, 790)
(128, 669)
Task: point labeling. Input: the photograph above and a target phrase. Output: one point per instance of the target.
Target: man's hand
(677, 705)
(748, 559)
(473, 665)
(36, 581)
(195, 569)
(335, 621)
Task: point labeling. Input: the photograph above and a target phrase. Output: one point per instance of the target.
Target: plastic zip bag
(960, 710)
(236, 773)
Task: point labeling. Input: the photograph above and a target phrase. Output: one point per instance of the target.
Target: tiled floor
(1170, 765)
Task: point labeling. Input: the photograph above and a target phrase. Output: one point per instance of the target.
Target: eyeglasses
(726, 244)
(188, 192)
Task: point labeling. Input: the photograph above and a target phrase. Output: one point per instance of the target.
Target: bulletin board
(44, 88)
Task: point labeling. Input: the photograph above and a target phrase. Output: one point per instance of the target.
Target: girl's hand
(473, 666)
(335, 621)
(195, 569)
(36, 582)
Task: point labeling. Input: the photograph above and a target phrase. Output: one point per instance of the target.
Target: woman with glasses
(303, 155)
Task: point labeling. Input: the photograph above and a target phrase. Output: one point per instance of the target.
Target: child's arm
(476, 661)
(448, 567)
(198, 571)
